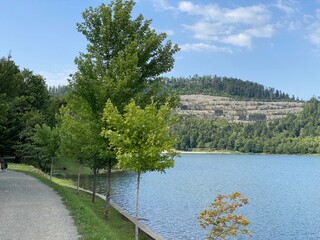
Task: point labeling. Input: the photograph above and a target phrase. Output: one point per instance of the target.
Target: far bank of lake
(283, 193)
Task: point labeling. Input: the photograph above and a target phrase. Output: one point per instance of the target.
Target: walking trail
(30, 210)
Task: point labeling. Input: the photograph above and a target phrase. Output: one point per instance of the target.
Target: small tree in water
(221, 217)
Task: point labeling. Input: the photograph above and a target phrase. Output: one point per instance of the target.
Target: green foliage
(46, 140)
(223, 86)
(4, 107)
(10, 78)
(221, 217)
(80, 139)
(140, 137)
(291, 135)
(73, 136)
(124, 58)
(119, 64)
(24, 102)
(59, 91)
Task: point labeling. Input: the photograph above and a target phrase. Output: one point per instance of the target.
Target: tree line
(114, 110)
(227, 87)
(24, 103)
(295, 134)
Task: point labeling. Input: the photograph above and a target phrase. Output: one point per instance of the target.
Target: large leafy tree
(10, 79)
(124, 60)
(24, 102)
(141, 139)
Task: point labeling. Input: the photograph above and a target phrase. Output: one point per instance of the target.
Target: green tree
(24, 98)
(4, 107)
(141, 140)
(10, 78)
(72, 139)
(124, 60)
(221, 217)
(47, 141)
(81, 141)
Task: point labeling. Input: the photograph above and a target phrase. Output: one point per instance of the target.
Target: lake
(283, 194)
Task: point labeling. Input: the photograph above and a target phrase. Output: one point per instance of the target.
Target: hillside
(225, 87)
(217, 107)
(294, 134)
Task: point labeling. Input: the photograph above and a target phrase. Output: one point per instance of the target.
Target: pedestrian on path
(2, 164)
(5, 165)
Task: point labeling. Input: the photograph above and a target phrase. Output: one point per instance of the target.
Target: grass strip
(88, 216)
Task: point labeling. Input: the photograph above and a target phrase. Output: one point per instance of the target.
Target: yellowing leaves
(222, 219)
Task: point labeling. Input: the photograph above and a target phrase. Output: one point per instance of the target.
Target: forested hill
(295, 134)
(227, 87)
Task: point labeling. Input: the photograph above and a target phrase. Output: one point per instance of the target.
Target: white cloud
(240, 27)
(253, 15)
(237, 27)
(285, 7)
(169, 32)
(162, 5)
(209, 30)
(56, 78)
(314, 33)
(293, 25)
(239, 40)
(256, 14)
(261, 32)
(200, 47)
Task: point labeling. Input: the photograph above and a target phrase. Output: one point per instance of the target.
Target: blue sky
(275, 43)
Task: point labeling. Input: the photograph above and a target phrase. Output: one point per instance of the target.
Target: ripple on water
(283, 193)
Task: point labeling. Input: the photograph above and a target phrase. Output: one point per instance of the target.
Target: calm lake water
(283, 193)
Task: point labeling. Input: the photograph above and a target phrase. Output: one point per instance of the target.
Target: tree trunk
(78, 181)
(137, 205)
(94, 188)
(51, 168)
(108, 192)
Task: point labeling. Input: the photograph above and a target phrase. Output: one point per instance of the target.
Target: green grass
(67, 166)
(88, 216)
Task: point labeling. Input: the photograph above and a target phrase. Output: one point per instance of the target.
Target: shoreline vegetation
(197, 151)
(206, 151)
(88, 216)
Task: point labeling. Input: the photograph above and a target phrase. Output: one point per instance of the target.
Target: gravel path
(30, 210)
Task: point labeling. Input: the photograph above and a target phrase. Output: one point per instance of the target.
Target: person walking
(5, 165)
(2, 164)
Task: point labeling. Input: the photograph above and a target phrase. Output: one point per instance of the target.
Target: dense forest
(227, 87)
(295, 134)
(25, 102)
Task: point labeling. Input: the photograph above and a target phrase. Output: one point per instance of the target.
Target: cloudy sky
(275, 43)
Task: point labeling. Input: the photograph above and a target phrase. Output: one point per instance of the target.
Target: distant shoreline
(207, 152)
(239, 153)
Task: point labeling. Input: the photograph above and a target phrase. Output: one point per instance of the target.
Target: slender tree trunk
(108, 191)
(137, 205)
(94, 189)
(51, 168)
(78, 181)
